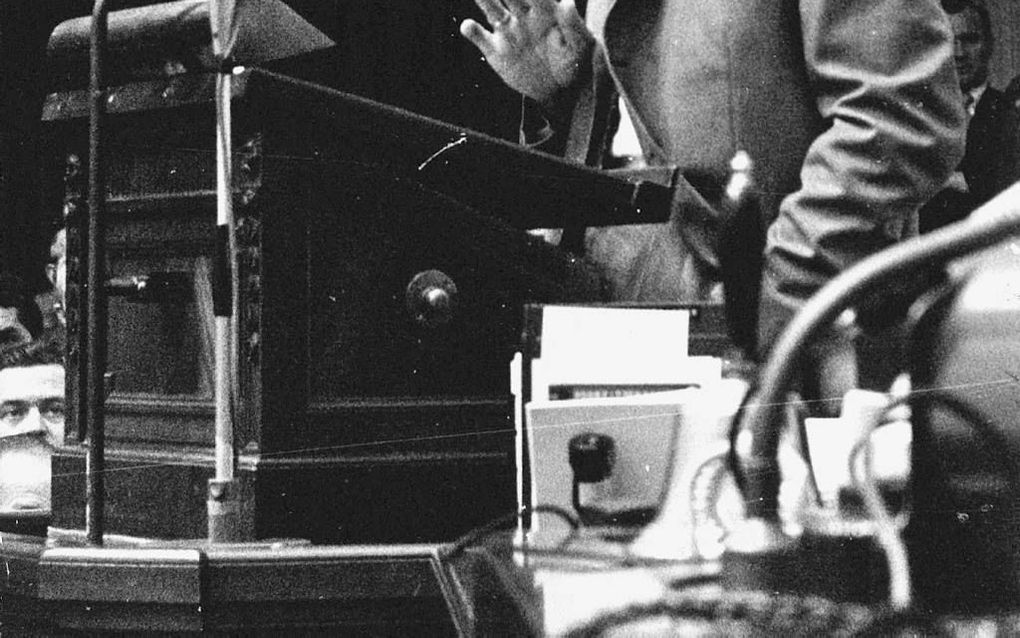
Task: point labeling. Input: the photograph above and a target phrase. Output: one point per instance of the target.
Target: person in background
(52, 302)
(31, 424)
(20, 319)
(850, 113)
(1013, 92)
(991, 161)
(32, 394)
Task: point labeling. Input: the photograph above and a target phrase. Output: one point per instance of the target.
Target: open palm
(538, 47)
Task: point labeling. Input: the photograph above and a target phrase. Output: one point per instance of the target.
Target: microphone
(758, 551)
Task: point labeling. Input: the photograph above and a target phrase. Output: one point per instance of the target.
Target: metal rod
(224, 504)
(225, 317)
(95, 294)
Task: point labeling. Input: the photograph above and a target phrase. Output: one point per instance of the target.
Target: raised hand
(538, 47)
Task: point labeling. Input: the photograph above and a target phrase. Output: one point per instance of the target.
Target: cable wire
(886, 531)
(996, 220)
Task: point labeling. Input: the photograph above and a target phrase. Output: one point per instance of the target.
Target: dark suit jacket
(850, 111)
(990, 164)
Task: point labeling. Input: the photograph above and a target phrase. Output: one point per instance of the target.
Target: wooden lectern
(384, 266)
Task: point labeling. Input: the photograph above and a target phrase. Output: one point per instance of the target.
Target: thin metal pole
(224, 498)
(95, 293)
(224, 316)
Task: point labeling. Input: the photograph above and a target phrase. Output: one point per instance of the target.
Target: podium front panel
(359, 419)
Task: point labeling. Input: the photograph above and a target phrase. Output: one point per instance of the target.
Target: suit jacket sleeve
(886, 87)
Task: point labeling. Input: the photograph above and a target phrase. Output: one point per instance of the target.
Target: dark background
(401, 52)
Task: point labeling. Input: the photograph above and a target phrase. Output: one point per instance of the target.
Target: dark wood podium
(383, 268)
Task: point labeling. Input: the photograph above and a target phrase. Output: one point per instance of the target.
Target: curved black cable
(989, 225)
(995, 440)
(479, 534)
(733, 458)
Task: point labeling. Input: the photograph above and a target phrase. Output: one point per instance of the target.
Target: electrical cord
(480, 534)
(887, 532)
(997, 443)
(798, 417)
(519, 589)
(989, 225)
(793, 415)
(708, 571)
(887, 528)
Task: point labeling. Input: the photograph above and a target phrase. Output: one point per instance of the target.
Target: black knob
(591, 457)
(431, 298)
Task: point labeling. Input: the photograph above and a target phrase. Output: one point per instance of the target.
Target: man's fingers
(494, 11)
(476, 35)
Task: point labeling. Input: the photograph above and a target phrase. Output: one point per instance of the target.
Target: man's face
(31, 424)
(971, 51)
(56, 270)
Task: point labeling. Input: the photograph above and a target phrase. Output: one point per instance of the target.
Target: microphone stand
(94, 350)
(224, 503)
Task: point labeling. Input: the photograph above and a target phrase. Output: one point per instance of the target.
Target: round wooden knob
(431, 298)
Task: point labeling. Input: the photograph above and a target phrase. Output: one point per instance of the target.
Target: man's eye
(52, 410)
(13, 410)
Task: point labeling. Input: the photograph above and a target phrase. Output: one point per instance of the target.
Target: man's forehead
(31, 382)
